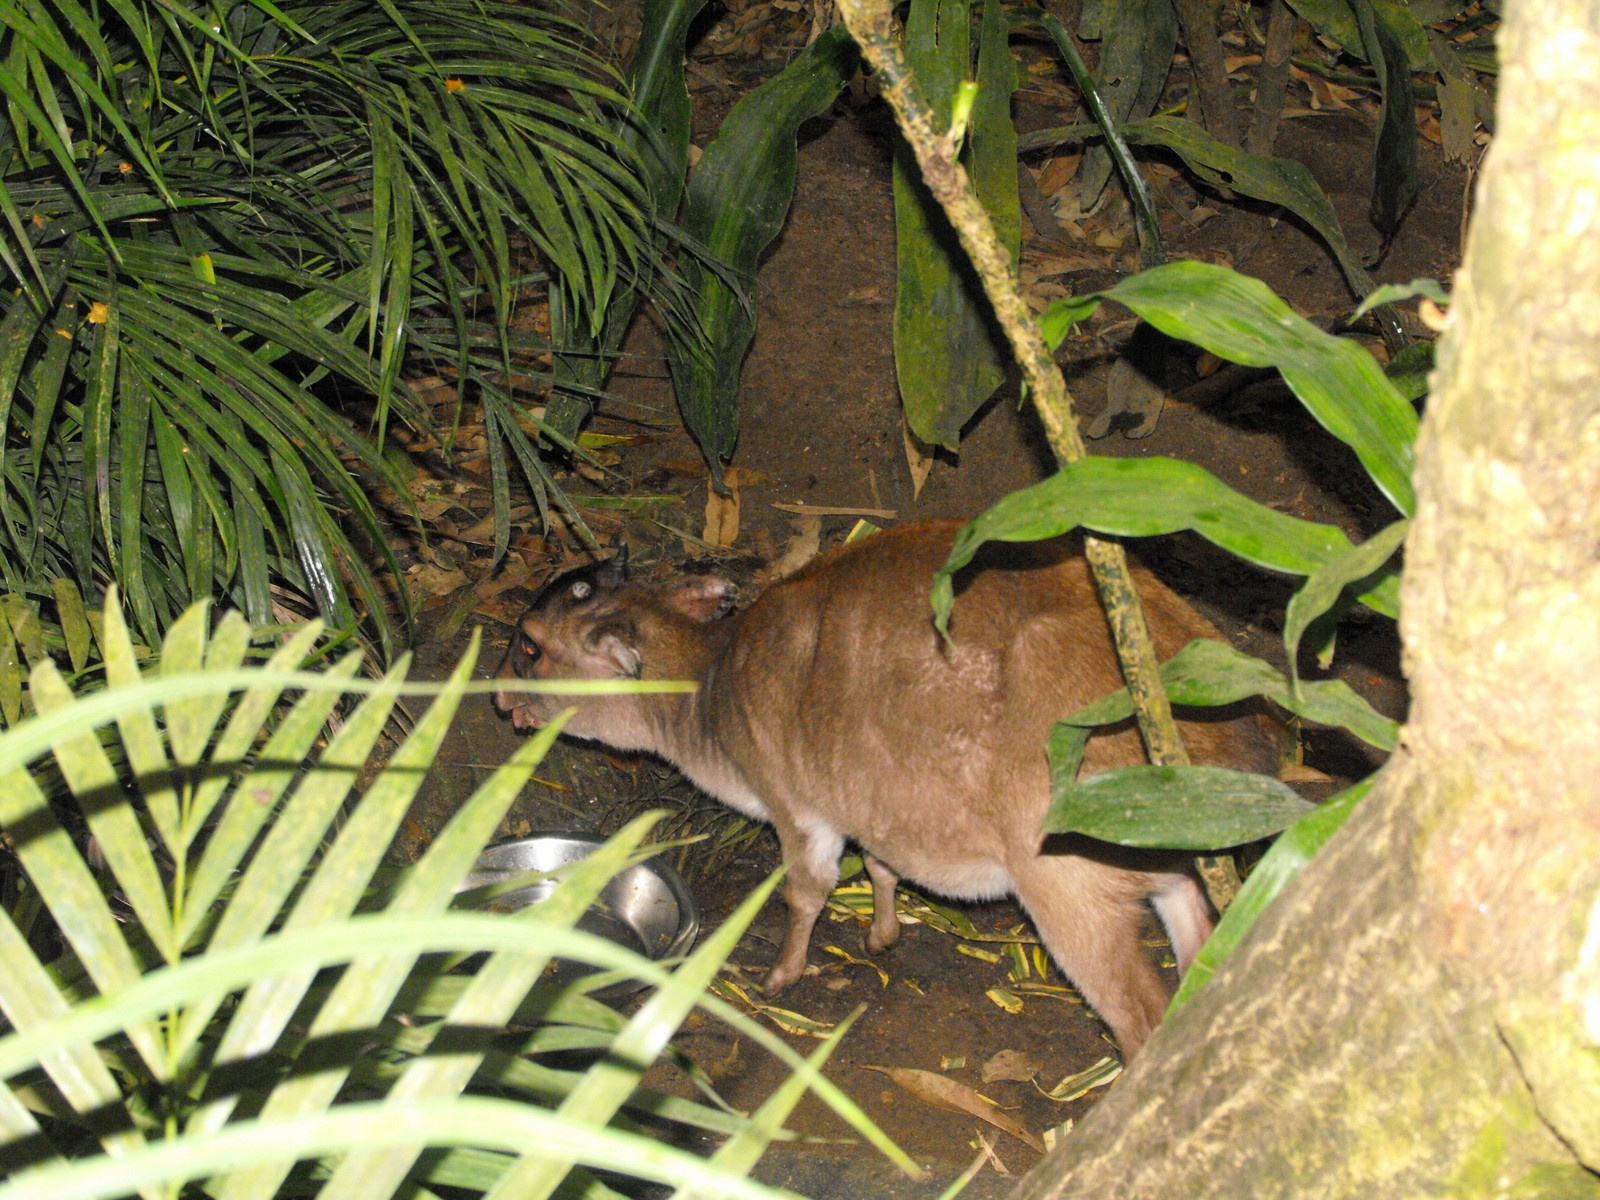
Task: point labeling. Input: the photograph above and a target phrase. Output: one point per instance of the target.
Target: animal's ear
(617, 645)
(613, 572)
(701, 597)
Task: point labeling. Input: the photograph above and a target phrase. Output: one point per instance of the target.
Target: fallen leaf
(1073, 1086)
(987, 1154)
(1009, 1001)
(861, 529)
(1058, 172)
(829, 510)
(785, 1019)
(883, 975)
(425, 579)
(1011, 1064)
(802, 547)
(919, 457)
(1300, 773)
(722, 512)
(937, 1090)
(514, 572)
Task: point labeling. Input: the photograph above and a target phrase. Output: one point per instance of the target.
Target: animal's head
(593, 623)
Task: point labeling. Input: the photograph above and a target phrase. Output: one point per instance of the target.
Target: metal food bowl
(647, 908)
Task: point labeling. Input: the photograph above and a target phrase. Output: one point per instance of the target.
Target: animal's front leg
(811, 854)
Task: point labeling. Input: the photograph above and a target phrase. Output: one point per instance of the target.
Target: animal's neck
(687, 728)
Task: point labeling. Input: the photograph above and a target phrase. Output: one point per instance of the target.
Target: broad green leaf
(1288, 855)
(1340, 384)
(1394, 183)
(1137, 38)
(1207, 674)
(1334, 19)
(737, 201)
(1282, 181)
(1394, 293)
(657, 129)
(1143, 498)
(950, 355)
(1324, 586)
(1180, 808)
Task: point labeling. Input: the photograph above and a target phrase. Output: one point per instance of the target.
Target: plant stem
(870, 24)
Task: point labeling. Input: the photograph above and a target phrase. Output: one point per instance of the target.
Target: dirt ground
(821, 426)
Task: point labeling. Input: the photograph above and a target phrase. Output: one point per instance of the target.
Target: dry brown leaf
(722, 513)
(425, 579)
(835, 510)
(941, 1092)
(802, 548)
(432, 510)
(990, 1156)
(515, 572)
(919, 458)
(505, 612)
(1011, 1064)
(1058, 172)
(1300, 773)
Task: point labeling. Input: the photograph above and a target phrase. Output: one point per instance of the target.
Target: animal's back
(931, 752)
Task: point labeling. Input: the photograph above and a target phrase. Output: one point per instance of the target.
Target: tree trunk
(1419, 1014)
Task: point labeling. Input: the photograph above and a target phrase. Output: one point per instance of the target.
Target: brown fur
(832, 708)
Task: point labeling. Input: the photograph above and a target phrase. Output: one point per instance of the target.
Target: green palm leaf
(200, 1036)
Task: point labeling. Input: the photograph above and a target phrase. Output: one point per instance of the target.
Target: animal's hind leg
(1088, 915)
(1181, 904)
(885, 924)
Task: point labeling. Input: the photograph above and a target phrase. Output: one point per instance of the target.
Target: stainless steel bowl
(647, 908)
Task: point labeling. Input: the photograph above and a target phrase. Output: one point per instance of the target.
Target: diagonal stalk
(870, 23)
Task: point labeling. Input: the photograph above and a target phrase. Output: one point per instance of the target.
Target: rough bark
(1420, 1013)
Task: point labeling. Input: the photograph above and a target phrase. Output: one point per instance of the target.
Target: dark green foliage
(949, 354)
(261, 214)
(738, 199)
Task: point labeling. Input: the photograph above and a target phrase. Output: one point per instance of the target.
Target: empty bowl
(647, 907)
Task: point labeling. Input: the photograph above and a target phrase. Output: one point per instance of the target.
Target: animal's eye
(530, 648)
(581, 589)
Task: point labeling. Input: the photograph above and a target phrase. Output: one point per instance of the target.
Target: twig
(1199, 21)
(871, 24)
(1272, 79)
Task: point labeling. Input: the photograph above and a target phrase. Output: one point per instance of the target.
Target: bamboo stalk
(871, 24)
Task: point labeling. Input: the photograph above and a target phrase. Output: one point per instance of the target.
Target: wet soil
(821, 427)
